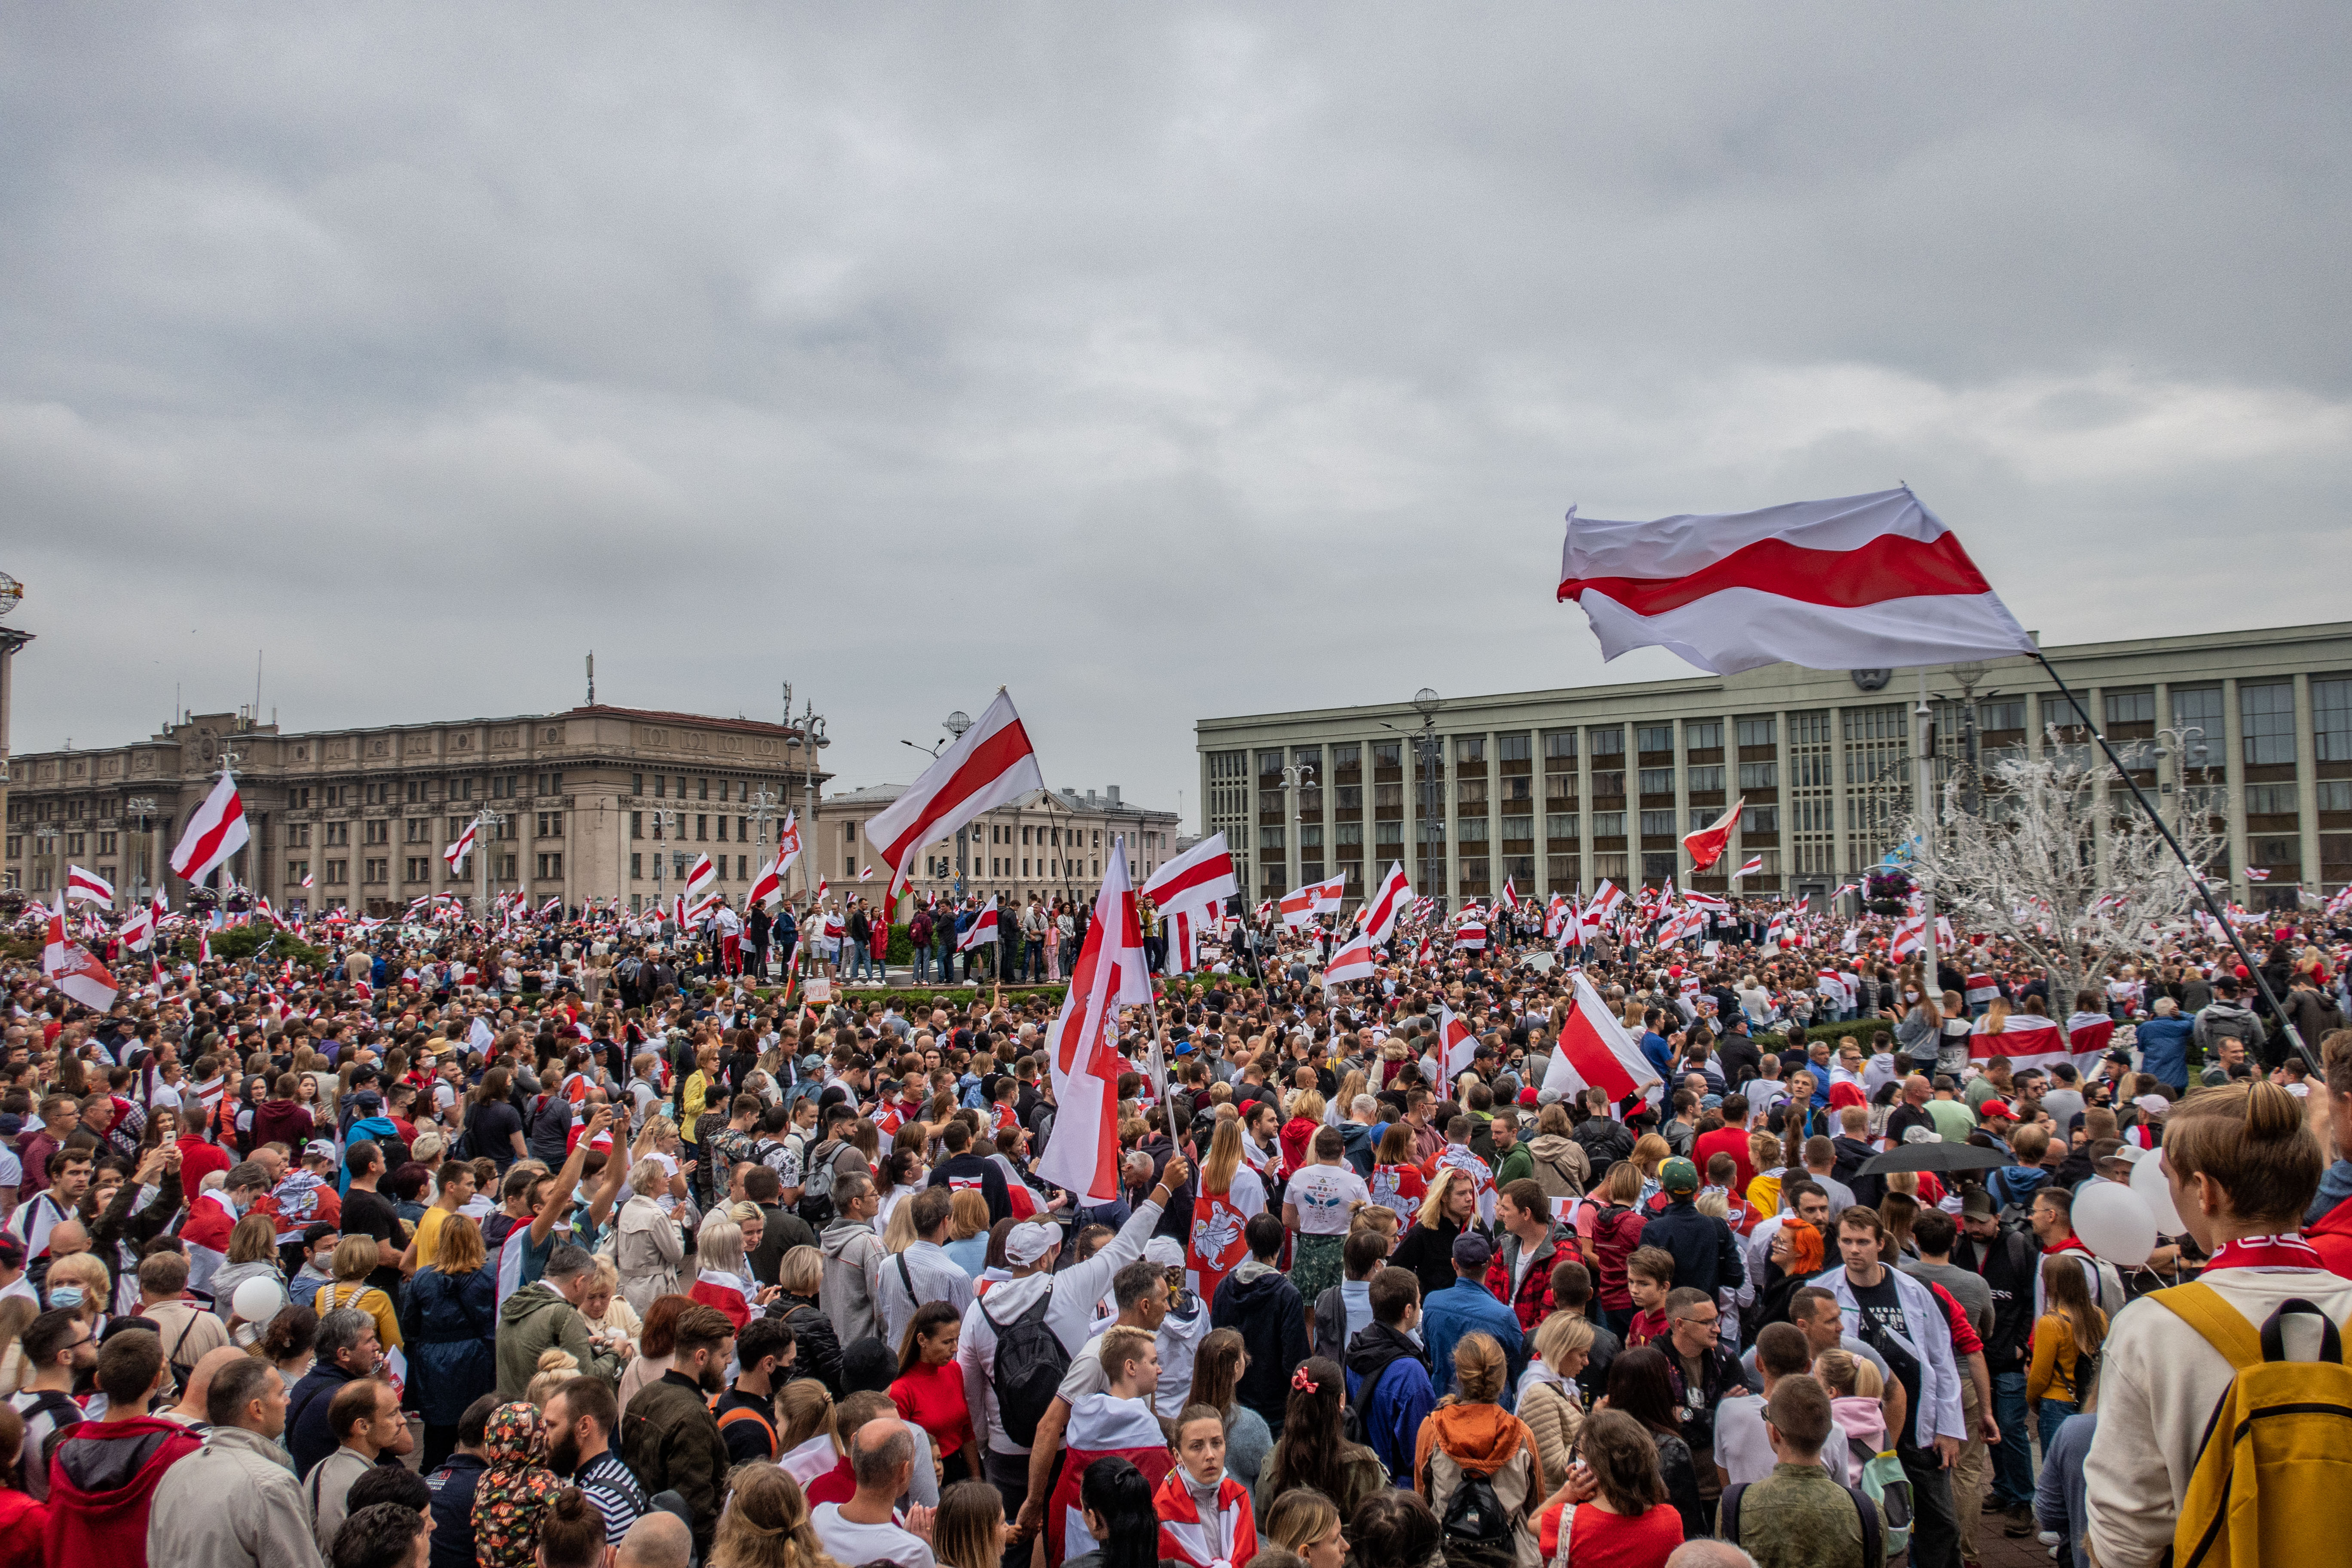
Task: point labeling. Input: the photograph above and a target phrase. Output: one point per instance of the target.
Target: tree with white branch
(2060, 863)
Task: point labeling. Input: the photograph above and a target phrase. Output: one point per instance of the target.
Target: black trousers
(1934, 1530)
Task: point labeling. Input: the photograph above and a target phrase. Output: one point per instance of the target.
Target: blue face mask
(64, 1297)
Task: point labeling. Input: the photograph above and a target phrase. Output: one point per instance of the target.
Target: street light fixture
(955, 724)
(1427, 752)
(141, 806)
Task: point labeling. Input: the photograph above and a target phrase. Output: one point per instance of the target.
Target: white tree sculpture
(2038, 868)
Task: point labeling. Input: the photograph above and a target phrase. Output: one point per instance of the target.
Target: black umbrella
(1935, 1156)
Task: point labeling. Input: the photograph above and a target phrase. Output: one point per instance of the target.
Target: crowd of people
(575, 1246)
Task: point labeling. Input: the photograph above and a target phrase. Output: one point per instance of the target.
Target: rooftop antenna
(592, 677)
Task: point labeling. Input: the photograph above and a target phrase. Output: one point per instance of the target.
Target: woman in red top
(1622, 1517)
(1305, 1121)
(928, 1390)
(22, 1520)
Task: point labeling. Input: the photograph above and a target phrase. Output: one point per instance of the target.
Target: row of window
(673, 786)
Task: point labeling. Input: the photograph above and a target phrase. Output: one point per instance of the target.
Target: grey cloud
(1157, 363)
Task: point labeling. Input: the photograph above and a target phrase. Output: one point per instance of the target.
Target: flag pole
(2196, 877)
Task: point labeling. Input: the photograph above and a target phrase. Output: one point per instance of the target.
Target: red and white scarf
(1183, 1537)
(2283, 1253)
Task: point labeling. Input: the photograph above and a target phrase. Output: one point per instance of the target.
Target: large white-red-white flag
(700, 877)
(767, 887)
(72, 970)
(1707, 844)
(1112, 974)
(990, 765)
(1314, 899)
(88, 886)
(1455, 1049)
(138, 927)
(1607, 899)
(1352, 962)
(983, 929)
(1748, 868)
(1202, 875)
(1395, 893)
(456, 854)
(215, 833)
(2031, 1040)
(1594, 1051)
(1859, 582)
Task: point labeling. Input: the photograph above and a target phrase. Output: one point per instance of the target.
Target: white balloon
(2148, 1180)
(2114, 1222)
(258, 1300)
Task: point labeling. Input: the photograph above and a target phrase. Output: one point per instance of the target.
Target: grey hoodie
(851, 1293)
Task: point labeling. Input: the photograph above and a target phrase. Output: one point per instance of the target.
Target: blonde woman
(449, 1322)
(648, 1252)
(1550, 1402)
(607, 1312)
(356, 1256)
(1450, 1208)
(1231, 1193)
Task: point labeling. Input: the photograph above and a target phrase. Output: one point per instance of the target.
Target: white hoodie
(2160, 1381)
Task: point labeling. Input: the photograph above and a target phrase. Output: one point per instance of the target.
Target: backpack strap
(1727, 1512)
(2224, 1328)
(1874, 1546)
(908, 1281)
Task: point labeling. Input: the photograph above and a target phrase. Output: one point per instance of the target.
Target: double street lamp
(1430, 752)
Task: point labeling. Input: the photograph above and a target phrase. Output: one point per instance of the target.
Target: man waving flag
(990, 765)
(1112, 974)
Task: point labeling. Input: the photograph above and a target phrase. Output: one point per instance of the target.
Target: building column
(2306, 787)
(2234, 781)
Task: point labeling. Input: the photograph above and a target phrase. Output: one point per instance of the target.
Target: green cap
(1678, 1175)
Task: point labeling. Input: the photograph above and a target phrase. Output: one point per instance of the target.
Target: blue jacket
(1468, 1307)
(2016, 1183)
(1389, 1384)
(1706, 1258)
(2164, 1050)
(449, 1323)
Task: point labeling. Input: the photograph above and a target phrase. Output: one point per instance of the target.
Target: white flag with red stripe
(215, 833)
(990, 765)
(1202, 874)
(1380, 915)
(1111, 972)
(72, 970)
(1594, 1051)
(767, 887)
(1748, 868)
(1455, 1049)
(700, 876)
(456, 854)
(1510, 894)
(1352, 962)
(2031, 1040)
(1707, 844)
(138, 927)
(1314, 899)
(88, 886)
(1607, 899)
(1859, 582)
(983, 929)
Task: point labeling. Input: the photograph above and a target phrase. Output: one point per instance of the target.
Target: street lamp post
(1427, 750)
(486, 823)
(45, 841)
(955, 724)
(809, 737)
(142, 807)
(665, 825)
(1295, 777)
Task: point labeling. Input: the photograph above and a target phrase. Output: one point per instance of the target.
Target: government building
(594, 803)
(1561, 789)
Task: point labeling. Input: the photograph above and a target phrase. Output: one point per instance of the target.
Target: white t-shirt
(1742, 1448)
(846, 1540)
(1322, 1193)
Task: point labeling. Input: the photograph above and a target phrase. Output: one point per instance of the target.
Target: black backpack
(1873, 1547)
(1476, 1520)
(1030, 1361)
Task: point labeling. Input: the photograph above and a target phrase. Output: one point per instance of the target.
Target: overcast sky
(1157, 361)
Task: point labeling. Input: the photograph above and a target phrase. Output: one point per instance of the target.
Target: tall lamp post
(142, 807)
(486, 823)
(955, 724)
(1295, 777)
(45, 842)
(809, 737)
(1428, 750)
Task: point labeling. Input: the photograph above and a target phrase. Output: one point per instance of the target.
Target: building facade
(1050, 843)
(1561, 789)
(594, 803)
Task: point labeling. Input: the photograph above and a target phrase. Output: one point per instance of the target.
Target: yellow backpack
(2276, 1462)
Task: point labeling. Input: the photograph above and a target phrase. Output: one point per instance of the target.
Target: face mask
(64, 1297)
(1910, 996)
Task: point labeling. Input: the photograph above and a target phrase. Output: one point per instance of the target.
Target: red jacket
(102, 1477)
(1532, 1301)
(2332, 1237)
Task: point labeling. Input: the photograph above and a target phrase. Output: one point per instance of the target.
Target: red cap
(1527, 1096)
(1992, 1107)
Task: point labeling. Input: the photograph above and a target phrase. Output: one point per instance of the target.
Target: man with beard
(670, 1438)
(580, 1418)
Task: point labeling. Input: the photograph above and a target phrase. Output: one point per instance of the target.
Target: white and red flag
(215, 833)
(866, 874)
(308, 880)
(1859, 582)
(1594, 1051)
(1607, 899)
(1112, 974)
(72, 970)
(1707, 844)
(138, 927)
(1510, 894)
(1352, 962)
(2031, 1040)
(88, 886)
(983, 929)
(1455, 1049)
(2258, 874)
(1314, 899)
(990, 765)
(1748, 868)
(1470, 931)
(1380, 914)
(767, 887)
(1202, 875)
(700, 877)
(456, 854)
